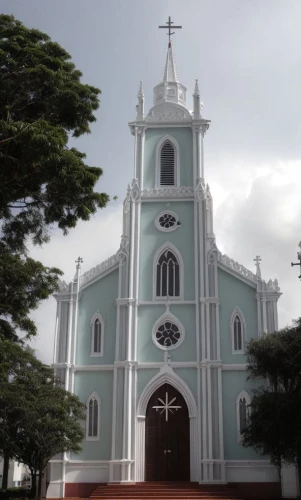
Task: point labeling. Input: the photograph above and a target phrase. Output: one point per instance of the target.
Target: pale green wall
(100, 295)
(189, 375)
(234, 292)
(233, 383)
(152, 239)
(102, 383)
(143, 377)
(184, 138)
(148, 351)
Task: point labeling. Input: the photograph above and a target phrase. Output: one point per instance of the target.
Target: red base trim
(83, 490)
(245, 490)
(258, 490)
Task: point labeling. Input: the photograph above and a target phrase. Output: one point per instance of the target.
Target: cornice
(170, 191)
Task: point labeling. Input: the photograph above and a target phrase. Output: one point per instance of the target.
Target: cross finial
(169, 27)
(257, 261)
(79, 261)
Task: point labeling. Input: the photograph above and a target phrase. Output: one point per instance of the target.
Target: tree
(275, 412)
(43, 181)
(38, 417)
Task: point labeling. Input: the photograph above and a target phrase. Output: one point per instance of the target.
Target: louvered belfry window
(167, 164)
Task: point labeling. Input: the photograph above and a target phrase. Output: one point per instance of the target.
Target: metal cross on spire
(169, 27)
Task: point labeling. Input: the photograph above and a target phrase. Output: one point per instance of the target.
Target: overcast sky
(246, 55)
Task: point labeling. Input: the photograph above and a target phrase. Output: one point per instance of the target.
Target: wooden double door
(167, 450)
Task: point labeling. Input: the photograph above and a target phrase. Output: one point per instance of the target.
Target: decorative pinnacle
(140, 93)
(196, 88)
(257, 261)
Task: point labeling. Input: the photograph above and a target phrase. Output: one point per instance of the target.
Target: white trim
(238, 312)
(236, 274)
(171, 301)
(159, 144)
(166, 375)
(93, 395)
(168, 246)
(96, 316)
(246, 396)
(168, 316)
(168, 229)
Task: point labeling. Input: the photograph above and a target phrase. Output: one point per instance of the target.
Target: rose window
(167, 221)
(168, 334)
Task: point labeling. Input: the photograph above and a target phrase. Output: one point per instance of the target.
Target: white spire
(170, 73)
(170, 89)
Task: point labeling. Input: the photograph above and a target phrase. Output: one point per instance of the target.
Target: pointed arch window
(93, 418)
(238, 331)
(168, 275)
(167, 164)
(97, 335)
(242, 412)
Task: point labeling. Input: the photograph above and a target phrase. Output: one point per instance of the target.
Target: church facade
(153, 339)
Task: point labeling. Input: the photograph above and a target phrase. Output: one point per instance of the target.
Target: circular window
(168, 333)
(167, 221)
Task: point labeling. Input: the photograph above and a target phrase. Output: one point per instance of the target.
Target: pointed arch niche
(238, 331)
(166, 375)
(177, 270)
(168, 142)
(243, 402)
(97, 335)
(93, 417)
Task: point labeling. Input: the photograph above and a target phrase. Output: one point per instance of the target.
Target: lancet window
(238, 327)
(93, 417)
(168, 275)
(242, 412)
(97, 333)
(167, 164)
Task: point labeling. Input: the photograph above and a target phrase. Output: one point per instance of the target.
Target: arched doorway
(167, 441)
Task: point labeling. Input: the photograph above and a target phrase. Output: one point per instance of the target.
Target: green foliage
(27, 282)
(275, 418)
(43, 182)
(12, 493)
(38, 417)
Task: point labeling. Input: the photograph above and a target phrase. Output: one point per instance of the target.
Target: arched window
(167, 164)
(238, 331)
(168, 275)
(242, 412)
(97, 334)
(93, 417)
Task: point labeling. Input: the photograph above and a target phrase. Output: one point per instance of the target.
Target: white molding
(235, 367)
(238, 312)
(168, 316)
(92, 368)
(159, 145)
(96, 316)
(171, 302)
(95, 396)
(243, 394)
(166, 375)
(168, 246)
(169, 229)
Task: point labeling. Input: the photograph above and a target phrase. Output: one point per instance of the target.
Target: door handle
(166, 451)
